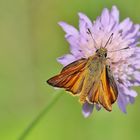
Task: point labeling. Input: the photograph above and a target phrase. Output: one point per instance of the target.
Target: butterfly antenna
(110, 39)
(120, 49)
(89, 32)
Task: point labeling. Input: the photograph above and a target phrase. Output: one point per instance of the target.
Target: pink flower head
(125, 64)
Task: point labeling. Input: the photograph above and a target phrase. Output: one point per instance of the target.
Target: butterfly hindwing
(105, 92)
(112, 83)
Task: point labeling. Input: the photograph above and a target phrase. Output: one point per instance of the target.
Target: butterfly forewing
(71, 77)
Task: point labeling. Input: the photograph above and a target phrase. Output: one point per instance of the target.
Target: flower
(125, 64)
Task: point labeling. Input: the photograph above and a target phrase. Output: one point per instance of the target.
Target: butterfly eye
(97, 50)
(105, 54)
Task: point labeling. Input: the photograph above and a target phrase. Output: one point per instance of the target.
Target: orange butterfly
(91, 79)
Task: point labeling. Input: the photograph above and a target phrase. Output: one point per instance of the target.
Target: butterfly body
(92, 71)
(90, 79)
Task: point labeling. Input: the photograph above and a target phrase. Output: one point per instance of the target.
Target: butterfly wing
(112, 85)
(94, 82)
(105, 92)
(71, 77)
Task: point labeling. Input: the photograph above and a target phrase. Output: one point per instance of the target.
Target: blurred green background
(30, 42)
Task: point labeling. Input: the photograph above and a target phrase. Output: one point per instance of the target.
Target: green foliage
(30, 42)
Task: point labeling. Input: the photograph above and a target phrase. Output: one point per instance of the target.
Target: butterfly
(89, 78)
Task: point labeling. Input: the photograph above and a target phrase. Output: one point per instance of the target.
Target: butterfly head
(101, 52)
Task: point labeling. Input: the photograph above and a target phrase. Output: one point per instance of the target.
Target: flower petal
(137, 75)
(131, 99)
(70, 30)
(98, 107)
(133, 32)
(84, 24)
(74, 42)
(66, 59)
(125, 26)
(83, 19)
(105, 17)
(115, 14)
(122, 102)
(129, 92)
(125, 96)
(87, 109)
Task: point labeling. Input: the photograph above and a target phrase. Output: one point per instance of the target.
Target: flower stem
(31, 126)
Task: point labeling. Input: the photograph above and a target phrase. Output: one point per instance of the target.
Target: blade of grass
(31, 126)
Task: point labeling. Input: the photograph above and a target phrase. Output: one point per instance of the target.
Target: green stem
(38, 118)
